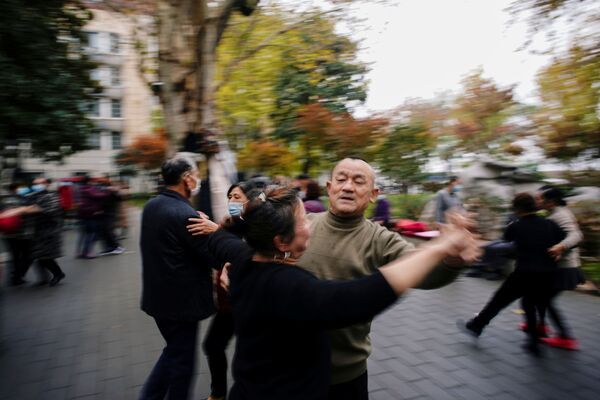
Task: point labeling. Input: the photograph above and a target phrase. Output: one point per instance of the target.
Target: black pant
(20, 250)
(107, 232)
(50, 265)
(533, 287)
(356, 389)
(172, 374)
(217, 338)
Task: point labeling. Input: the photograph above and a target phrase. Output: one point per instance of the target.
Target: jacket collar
(173, 194)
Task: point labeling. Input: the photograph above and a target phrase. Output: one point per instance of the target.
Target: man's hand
(201, 226)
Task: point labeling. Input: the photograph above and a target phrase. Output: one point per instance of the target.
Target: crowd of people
(32, 223)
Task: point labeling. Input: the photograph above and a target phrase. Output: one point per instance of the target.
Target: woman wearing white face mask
(220, 331)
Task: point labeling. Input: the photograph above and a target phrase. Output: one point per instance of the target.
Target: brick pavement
(87, 339)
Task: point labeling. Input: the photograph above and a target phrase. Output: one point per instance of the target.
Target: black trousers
(20, 250)
(215, 343)
(533, 287)
(172, 374)
(356, 389)
(50, 265)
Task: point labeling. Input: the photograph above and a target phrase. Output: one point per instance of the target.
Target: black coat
(176, 269)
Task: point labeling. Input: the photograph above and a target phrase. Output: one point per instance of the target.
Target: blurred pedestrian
(282, 312)
(48, 231)
(89, 212)
(176, 279)
(17, 232)
(381, 215)
(344, 246)
(568, 274)
(312, 199)
(447, 199)
(220, 331)
(108, 219)
(534, 271)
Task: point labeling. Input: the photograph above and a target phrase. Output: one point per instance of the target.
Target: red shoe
(543, 330)
(563, 343)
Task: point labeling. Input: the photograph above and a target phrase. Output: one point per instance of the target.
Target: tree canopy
(45, 76)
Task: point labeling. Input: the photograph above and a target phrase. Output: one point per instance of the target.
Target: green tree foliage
(44, 75)
(481, 112)
(404, 153)
(570, 92)
(269, 67)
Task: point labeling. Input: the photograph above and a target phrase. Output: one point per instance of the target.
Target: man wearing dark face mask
(176, 277)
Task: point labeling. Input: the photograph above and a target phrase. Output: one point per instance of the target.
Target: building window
(116, 140)
(92, 39)
(93, 141)
(115, 108)
(115, 76)
(114, 43)
(93, 108)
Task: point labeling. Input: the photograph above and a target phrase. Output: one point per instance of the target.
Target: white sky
(417, 48)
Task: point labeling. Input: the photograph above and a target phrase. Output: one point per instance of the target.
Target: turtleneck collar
(338, 222)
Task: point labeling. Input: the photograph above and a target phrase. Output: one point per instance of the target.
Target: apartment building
(122, 111)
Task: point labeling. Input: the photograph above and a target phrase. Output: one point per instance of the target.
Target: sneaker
(563, 343)
(543, 329)
(117, 250)
(469, 328)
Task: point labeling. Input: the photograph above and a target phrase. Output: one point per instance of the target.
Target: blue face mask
(235, 209)
(22, 191)
(38, 188)
(457, 188)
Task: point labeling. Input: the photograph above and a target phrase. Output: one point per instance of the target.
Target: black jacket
(176, 269)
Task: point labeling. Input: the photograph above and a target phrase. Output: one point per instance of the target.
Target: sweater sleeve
(567, 222)
(297, 296)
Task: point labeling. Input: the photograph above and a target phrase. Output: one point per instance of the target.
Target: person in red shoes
(568, 274)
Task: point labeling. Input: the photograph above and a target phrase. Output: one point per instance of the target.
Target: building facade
(124, 108)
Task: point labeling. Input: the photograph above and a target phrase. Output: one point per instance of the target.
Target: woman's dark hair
(266, 215)
(524, 203)
(173, 169)
(313, 191)
(553, 194)
(245, 187)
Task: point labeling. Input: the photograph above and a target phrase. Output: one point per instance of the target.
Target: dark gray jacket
(176, 269)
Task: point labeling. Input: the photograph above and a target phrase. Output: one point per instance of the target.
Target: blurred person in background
(568, 274)
(17, 231)
(108, 219)
(282, 312)
(220, 331)
(534, 272)
(89, 211)
(312, 201)
(48, 231)
(122, 222)
(345, 245)
(381, 215)
(176, 279)
(300, 183)
(447, 199)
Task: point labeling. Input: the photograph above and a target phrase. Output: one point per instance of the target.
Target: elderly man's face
(351, 188)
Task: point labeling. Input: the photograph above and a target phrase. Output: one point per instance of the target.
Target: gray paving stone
(87, 338)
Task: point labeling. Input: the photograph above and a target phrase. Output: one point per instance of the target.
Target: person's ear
(280, 244)
(374, 194)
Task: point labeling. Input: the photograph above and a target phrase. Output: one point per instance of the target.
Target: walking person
(176, 279)
(18, 236)
(220, 330)
(534, 272)
(447, 199)
(568, 274)
(282, 312)
(48, 231)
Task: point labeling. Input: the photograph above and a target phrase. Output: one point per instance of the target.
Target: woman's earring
(286, 255)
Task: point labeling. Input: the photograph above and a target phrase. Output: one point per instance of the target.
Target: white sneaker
(115, 251)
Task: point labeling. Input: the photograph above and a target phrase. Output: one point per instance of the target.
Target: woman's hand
(224, 282)
(459, 244)
(201, 226)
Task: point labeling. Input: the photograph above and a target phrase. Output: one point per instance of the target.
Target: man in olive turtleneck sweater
(345, 245)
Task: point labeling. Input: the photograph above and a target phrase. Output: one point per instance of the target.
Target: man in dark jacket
(176, 272)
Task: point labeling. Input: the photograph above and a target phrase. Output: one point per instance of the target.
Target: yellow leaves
(267, 156)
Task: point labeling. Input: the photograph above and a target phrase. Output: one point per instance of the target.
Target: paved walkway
(87, 339)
